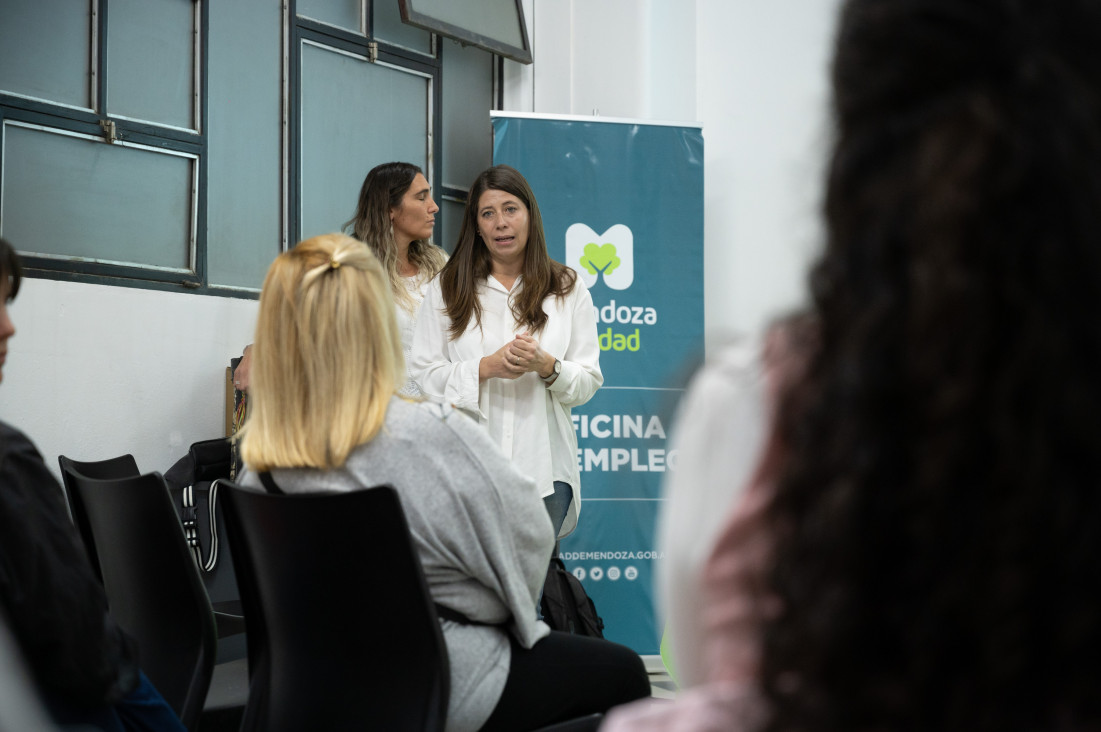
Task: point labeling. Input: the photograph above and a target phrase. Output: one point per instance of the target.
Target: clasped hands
(517, 357)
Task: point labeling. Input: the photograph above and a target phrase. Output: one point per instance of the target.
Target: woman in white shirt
(509, 335)
(395, 216)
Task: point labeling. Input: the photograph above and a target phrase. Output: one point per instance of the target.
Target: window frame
(454, 194)
(89, 122)
(376, 51)
(468, 35)
(65, 118)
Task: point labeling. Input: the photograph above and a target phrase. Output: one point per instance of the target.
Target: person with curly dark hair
(934, 524)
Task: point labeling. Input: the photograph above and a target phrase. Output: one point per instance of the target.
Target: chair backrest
(342, 631)
(153, 586)
(123, 466)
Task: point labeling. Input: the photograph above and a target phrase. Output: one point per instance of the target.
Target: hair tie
(334, 264)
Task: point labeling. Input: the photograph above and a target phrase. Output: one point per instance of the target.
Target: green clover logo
(599, 258)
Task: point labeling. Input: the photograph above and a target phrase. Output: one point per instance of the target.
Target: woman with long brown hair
(509, 335)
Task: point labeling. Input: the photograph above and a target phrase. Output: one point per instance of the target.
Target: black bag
(565, 605)
(193, 484)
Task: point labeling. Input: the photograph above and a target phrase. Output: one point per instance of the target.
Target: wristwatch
(549, 379)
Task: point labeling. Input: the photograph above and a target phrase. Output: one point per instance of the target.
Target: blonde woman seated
(327, 364)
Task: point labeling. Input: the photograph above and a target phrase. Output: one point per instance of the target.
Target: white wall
(762, 95)
(96, 371)
(754, 74)
(615, 58)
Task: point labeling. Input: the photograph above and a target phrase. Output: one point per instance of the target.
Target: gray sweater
(479, 526)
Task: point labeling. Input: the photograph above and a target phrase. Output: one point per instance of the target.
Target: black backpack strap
(212, 523)
(269, 484)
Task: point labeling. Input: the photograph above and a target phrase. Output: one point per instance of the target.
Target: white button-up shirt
(407, 323)
(530, 420)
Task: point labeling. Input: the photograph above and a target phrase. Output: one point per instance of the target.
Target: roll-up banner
(622, 204)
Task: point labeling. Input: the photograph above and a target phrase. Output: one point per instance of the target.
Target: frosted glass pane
(45, 50)
(341, 13)
(355, 115)
(467, 99)
(75, 197)
(151, 61)
(389, 28)
(244, 175)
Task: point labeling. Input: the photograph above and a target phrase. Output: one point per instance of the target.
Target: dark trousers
(565, 676)
(558, 505)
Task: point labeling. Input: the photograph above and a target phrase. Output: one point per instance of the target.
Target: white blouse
(528, 419)
(407, 323)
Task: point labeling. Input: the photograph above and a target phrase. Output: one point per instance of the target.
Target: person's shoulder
(439, 423)
(22, 469)
(9, 433)
(449, 433)
(421, 414)
(13, 442)
(465, 446)
(732, 373)
(737, 359)
(429, 412)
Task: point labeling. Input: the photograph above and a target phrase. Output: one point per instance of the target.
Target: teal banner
(622, 204)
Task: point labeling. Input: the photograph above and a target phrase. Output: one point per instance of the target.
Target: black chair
(123, 466)
(342, 632)
(155, 593)
(227, 614)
